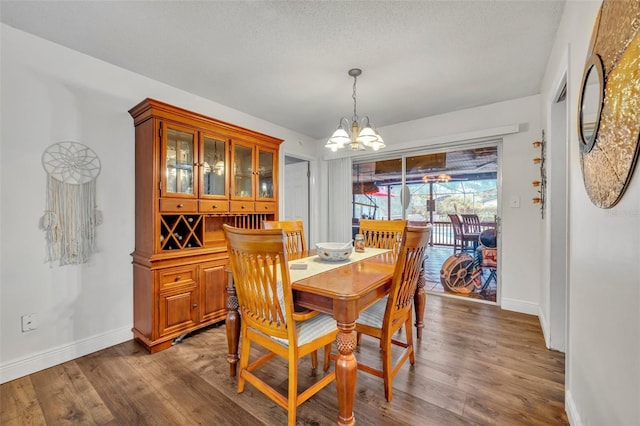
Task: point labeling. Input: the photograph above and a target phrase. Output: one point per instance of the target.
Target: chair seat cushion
(311, 329)
(374, 314)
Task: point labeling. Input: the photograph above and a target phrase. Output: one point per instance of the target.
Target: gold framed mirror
(609, 147)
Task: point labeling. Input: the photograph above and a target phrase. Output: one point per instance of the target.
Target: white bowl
(334, 251)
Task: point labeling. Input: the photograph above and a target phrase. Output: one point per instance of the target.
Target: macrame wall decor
(71, 214)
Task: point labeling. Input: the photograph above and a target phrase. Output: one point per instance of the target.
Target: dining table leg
(346, 372)
(232, 325)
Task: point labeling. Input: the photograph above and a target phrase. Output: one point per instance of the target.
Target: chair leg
(409, 337)
(314, 359)
(245, 347)
(327, 356)
(292, 400)
(387, 367)
(492, 276)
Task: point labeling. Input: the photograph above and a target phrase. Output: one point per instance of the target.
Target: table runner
(316, 266)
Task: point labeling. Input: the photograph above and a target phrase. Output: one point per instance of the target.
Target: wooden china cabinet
(193, 174)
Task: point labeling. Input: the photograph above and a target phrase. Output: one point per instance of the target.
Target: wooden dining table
(342, 292)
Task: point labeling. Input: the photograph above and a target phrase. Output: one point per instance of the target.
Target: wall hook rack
(542, 182)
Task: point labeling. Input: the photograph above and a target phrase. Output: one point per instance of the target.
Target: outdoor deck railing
(441, 233)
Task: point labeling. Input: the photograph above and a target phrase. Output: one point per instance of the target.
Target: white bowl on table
(334, 252)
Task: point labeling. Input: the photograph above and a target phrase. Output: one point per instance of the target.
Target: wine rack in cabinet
(181, 232)
(190, 181)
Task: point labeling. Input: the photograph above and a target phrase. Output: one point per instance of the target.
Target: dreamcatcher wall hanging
(71, 214)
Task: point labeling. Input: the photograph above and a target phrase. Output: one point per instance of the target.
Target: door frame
(294, 159)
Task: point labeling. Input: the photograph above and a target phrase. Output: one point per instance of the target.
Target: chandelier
(443, 177)
(358, 133)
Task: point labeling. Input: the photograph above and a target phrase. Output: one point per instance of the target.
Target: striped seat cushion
(312, 329)
(374, 314)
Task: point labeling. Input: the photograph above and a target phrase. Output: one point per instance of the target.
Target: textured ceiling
(286, 62)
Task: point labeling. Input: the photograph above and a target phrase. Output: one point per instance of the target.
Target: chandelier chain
(355, 114)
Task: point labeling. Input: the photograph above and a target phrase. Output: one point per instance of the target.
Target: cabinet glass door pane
(213, 167)
(242, 171)
(179, 162)
(265, 174)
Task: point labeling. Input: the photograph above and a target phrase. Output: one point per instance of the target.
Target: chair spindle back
(386, 234)
(259, 265)
(406, 273)
(294, 230)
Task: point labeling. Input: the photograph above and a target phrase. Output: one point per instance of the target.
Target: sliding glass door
(436, 188)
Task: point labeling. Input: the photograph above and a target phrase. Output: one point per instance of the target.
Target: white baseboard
(570, 408)
(48, 358)
(544, 324)
(520, 306)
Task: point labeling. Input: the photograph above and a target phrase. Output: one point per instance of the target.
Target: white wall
(52, 94)
(603, 351)
(521, 227)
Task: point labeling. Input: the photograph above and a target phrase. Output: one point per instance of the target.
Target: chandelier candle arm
(360, 133)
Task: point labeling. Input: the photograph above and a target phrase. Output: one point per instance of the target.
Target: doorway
(296, 192)
(440, 188)
(557, 221)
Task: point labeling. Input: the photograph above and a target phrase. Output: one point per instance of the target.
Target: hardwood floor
(476, 364)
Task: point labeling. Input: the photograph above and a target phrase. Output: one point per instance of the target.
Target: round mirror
(590, 103)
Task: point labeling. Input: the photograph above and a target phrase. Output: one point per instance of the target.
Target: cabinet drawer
(213, 206)
(265, 207)
(242, 206)
(178, 205)
(176, 277)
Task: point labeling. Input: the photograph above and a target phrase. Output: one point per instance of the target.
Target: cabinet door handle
(214, 206)
(195, 305)
(266, 207)
(180, 205)
(243, 206)
(178, 277)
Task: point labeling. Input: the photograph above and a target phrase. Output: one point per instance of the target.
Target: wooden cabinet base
(152, 346)
(165, 342)
(175, 296)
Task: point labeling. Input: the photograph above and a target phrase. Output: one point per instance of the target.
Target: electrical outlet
(29, 322)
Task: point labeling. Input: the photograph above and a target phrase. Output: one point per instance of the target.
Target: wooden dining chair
(260, 270)
(382, 233)
(388, 315)
(294, 230)
(471, 223)
(460, 237)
